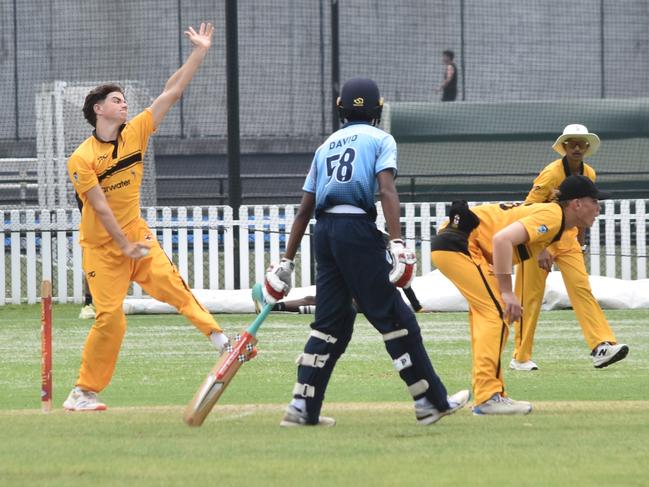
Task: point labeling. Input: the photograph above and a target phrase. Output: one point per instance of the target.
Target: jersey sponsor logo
(542, 229)
(112, 187)
(341, 142)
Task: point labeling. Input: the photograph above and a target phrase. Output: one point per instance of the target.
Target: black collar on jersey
(563, 225)
(566, 167)
(114, 142)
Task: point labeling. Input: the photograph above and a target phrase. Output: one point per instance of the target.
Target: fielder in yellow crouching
(476, 252)
(574, 145)
(118, 247)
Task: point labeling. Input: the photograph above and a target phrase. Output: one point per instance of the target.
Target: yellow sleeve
(543, 188)
(82, 174)
(543, 224)
(142, 123)
(589, 172)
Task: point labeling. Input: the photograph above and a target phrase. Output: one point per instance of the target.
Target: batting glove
(404, 263)
(277, 282)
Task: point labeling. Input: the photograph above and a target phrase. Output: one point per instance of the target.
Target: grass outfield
(589, 426)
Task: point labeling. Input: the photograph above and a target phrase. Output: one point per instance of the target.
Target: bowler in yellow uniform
(574, 145)
(476, 251)
(118, 247)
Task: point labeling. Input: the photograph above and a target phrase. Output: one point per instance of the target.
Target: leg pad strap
(323, 336)
(393, 335)
(312, 360)
(303, 390)
(418, 388)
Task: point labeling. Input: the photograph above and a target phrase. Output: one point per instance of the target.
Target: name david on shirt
(342, 142)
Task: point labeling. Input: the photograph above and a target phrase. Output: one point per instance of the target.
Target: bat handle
(254, 326)
(412, 297)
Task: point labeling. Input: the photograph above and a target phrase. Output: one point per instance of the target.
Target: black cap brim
(604, 195)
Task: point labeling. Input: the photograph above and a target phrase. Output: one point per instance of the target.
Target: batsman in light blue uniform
(351, 263)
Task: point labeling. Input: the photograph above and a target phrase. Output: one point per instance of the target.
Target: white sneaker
(502, 405)
(80, 400)
(88, 312)
(429, 414)
(606, 354)
(527, 365)
(296, 417)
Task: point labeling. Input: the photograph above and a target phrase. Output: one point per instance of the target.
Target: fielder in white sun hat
(578, 132)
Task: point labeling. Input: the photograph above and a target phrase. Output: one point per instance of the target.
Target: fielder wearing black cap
(578, 186)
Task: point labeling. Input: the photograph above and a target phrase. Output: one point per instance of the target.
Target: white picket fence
(43, 244)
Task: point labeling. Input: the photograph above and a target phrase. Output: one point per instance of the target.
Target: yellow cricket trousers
(109, 275)
(489, 331)
(530, 288)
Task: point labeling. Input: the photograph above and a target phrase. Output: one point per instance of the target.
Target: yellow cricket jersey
(551, 177)
(117, 166)
(544, 223)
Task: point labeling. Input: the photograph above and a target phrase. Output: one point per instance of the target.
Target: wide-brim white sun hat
(577, 131)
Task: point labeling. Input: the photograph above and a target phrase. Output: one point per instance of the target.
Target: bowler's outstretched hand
(202, 38)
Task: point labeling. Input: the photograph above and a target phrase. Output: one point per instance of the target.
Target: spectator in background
(449, 85)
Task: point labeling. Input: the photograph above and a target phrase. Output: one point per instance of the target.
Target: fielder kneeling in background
(350, 256)
(476, 252)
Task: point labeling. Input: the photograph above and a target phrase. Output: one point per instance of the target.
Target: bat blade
(223, 371)
(218, 379)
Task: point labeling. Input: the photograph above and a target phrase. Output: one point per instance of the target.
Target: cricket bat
(242, 350)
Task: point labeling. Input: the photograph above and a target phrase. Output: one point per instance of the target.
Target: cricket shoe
(527, 365)
(80, 400)
(88, 312)
(258, 297)
(606, 354)
(499, 404)
(296, 417)
(429, 414)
